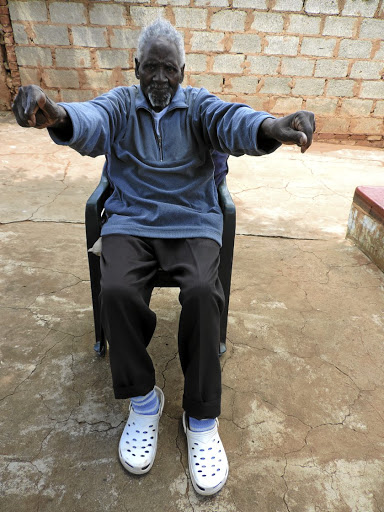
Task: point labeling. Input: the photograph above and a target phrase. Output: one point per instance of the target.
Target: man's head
(160, 63)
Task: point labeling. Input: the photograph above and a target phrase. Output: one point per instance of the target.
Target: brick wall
(276, 55)
(9, 74)
(5, 93)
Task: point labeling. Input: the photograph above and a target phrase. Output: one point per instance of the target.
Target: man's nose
(160, 75)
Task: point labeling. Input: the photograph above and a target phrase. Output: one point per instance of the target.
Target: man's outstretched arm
(297, 128)
(33, 109)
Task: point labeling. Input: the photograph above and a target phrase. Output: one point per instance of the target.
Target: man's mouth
(154, 88)
(159, 96)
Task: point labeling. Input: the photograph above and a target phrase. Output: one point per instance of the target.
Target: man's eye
(171, 69)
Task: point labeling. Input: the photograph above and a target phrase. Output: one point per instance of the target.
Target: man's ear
(137, 65)
(182, 73)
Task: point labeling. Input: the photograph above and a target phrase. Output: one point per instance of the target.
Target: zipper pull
(161, 148)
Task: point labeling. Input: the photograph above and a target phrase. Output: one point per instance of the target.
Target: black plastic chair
(93, 221)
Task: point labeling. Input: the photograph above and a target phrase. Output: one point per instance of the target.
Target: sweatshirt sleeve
(96, 123)
(230, 127)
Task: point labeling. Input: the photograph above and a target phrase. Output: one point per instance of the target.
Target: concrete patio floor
(303, 378)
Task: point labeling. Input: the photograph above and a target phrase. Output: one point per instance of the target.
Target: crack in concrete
(74, 376)
(379, 509)
(343, 372)
(276, 352)
(39, 363)
(358, 388)
(310, 427)
(319, 180)
(54, 428)
(40, 484)
(180, 430)
(286, 466)
(286, 485)
(281, 237)
(66, 172)
(22, 265)
(232, 404)
(63, 221)
(334, 480)
(334, 265)
(294, 195)
(166, 367)
(95, 423)
(53, 293)
(54, 199)
(251, 189)
(80, 280)
(14, 308)
(374, 362)
(42, 444)
(49, 411)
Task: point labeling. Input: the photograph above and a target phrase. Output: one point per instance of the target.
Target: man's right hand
(33, 108)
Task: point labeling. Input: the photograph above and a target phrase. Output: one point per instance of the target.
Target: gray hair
(161, 28)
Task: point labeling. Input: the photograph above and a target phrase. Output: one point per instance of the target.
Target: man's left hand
(297, 128)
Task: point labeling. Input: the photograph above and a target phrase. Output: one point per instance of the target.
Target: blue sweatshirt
(163, 187)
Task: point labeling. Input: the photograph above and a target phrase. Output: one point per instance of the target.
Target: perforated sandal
(208, 464)
(138, 442)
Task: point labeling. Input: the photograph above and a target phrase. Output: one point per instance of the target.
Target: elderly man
(158, 139)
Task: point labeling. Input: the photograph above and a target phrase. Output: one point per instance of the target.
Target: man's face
(159, 73)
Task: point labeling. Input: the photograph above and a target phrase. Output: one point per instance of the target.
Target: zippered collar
(178, 101)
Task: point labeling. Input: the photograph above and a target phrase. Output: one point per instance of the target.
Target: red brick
(371, 144)
(335, 136)
(4, 19)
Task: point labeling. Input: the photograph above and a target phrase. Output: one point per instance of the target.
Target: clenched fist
(33, 108)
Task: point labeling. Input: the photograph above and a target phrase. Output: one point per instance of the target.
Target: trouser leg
(194, 264)
(128, 267)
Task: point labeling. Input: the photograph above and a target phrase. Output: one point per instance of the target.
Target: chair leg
(224, 320)
(94, 272)
(101, 345)
(99, 348)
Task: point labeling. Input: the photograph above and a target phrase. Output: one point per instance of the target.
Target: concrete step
(366, 222)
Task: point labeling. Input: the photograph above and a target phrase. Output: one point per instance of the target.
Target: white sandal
(208, 464)
(138, 442)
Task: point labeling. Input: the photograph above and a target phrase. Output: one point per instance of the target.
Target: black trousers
(128, 268)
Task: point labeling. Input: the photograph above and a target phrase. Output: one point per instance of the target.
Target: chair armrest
(94, 209)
